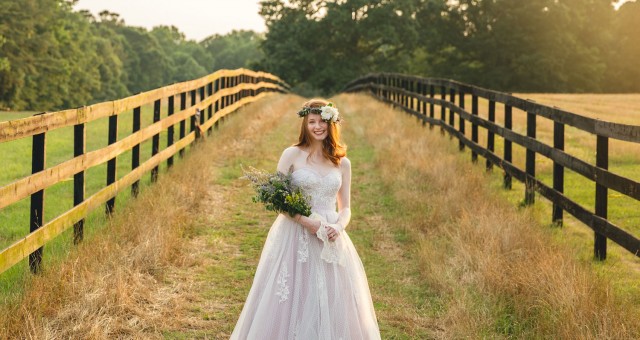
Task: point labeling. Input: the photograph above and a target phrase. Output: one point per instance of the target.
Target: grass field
(624, 157)
(14, 219)
(447, 252)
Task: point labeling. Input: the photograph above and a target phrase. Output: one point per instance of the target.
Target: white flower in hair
(329, 113)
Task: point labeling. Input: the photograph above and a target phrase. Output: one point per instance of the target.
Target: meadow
(444, 258)
(624, 157)
(14, 219)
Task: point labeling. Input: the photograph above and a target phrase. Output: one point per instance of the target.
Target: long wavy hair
(332, 148)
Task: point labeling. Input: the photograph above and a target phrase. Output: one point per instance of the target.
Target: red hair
(332, 148)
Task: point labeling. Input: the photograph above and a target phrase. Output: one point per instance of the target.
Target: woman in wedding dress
(310, 283)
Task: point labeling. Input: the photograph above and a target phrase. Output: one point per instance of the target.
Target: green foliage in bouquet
(277, 193)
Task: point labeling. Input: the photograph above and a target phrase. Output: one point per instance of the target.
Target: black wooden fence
(211, 98)
(418, 96)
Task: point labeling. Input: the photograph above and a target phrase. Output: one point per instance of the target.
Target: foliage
(328, 43)
(277, 192)
(52, 57)
(239, 48)
(536, 45)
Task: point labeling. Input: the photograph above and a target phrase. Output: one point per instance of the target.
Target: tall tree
(323, 44)
(239, 48)
(537, 45)
(623, 73)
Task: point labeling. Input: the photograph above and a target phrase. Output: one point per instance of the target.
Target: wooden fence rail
(417, 96)
(219, 94)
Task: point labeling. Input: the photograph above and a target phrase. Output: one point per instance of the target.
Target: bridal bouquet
(277, 193)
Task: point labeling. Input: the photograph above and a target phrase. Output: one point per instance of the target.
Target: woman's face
(318, 128)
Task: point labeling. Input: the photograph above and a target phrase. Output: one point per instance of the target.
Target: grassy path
(234, 231)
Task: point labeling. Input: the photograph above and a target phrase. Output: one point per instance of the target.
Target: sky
(197, 19)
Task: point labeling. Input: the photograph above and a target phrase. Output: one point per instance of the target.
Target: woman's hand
(310, 224)
(332, 233)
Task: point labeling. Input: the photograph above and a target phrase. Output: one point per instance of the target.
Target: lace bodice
(322, 189)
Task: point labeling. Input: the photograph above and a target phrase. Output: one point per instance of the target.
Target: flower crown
(328, 113)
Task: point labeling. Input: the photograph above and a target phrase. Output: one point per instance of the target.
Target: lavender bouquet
(277, 193)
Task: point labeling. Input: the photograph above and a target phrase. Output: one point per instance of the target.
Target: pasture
(16, 164)
(444, 258)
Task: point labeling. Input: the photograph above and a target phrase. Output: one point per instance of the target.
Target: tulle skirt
(297, 295)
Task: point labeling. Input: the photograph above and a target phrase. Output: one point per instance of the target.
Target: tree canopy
(533, 45)
(53, 57)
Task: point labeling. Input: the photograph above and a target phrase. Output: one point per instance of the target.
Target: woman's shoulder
(291, 153)
(345, 163)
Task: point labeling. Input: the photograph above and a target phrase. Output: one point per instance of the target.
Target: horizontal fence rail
(417, 96)
(211, 98)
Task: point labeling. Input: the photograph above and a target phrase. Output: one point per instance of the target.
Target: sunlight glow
(618, 4)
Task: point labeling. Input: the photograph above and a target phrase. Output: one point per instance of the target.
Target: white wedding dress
(305, 288)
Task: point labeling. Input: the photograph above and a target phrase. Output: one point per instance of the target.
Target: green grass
(239, 229)
(14, 219)
(623, 160)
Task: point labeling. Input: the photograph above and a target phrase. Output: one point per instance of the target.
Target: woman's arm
(344, 196)
(344, 202)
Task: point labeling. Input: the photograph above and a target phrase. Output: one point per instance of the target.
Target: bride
(310, 282)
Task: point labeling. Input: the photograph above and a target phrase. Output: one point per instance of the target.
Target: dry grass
(112, 286)
(499, 270)
(427, 224)
(136, 280)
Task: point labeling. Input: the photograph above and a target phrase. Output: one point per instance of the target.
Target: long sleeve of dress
(344, 196)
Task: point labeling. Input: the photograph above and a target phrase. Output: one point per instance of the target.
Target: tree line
(53, 57)
(507, 45)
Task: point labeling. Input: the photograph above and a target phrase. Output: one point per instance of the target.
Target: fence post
(491, 139)
(210, 107)
(192, 119)
(443, 110)
(452, 99)
(215, 106)
(79, 148)
(155, 141)
(201, 100)
(183, 123)
(385, 92)
(234, 83)
(135, 151)
(223, 102)
(508, 122)
(405, 98)
(239, 93)
(418, 89)
(38, 158)
(474, 127)
(171, 105)
(558, 171)
(111, 164)
(461, 122)
(529, 196)
(393, 92)
(424, 92)
(432, 95)
(602, 161)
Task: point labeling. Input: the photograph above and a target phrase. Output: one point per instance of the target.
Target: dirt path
(233, 230)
